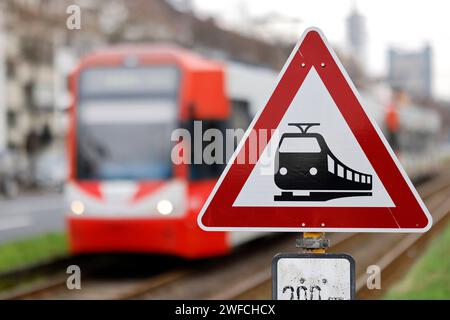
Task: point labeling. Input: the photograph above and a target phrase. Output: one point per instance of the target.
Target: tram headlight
(77, 207)
(164, 207)
(313, 171)
(283, 171)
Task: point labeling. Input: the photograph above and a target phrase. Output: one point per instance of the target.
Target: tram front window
(300, 145)
(125, 117)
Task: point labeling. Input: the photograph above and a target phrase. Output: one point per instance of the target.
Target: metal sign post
(313, 242)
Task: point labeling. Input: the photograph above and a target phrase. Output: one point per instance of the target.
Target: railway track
(104, 276)
(245, 274)
(41, 270)
(383, 250)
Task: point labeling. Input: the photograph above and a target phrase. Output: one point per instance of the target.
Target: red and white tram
(124, 193)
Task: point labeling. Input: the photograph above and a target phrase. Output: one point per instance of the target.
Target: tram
(123, 192)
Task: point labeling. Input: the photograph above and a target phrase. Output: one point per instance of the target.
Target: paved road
(31, 214)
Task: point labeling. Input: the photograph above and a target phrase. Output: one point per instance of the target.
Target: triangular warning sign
(321, 163)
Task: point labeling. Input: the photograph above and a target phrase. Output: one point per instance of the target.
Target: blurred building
(36, 39)
(39, 52)
(357, 36)
(411, 71)
(3, 124)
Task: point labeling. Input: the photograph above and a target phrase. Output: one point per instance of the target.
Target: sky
(407, 24)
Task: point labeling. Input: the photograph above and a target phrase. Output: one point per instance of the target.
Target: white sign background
(312, 104)
(299, 278)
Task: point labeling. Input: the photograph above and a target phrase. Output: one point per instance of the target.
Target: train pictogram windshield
(300, 145)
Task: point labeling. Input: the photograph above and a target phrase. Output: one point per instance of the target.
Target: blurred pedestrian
(32, 142)
(32, 146)
(392, 121)
(46, 135)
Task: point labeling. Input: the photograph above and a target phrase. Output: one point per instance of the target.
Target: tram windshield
(125, 117)
(300, 145)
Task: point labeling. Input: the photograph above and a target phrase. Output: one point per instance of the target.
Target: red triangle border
(409, 213)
